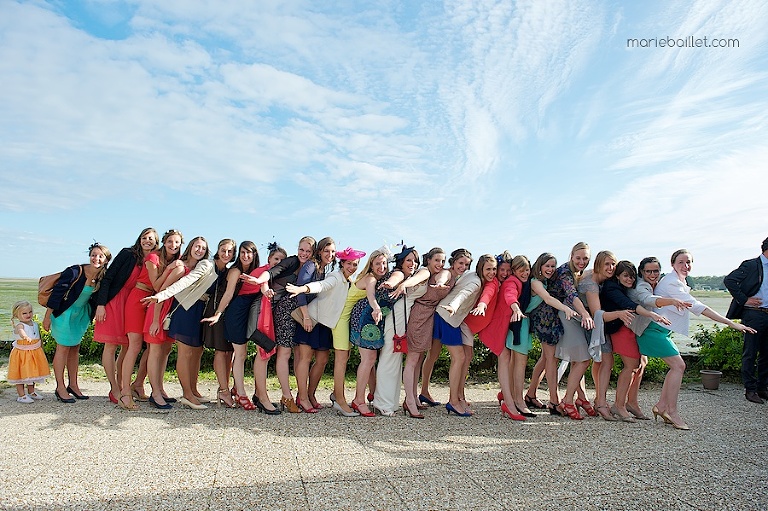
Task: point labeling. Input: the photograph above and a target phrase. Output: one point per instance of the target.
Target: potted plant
(719, 350)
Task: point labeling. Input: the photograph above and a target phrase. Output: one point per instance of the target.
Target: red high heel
(513, 416)
(500, 397)
(356, 407)
(311, 408)
(245, 403)
(316, 405)
(369, 397)
(570, 410)
(586, 406)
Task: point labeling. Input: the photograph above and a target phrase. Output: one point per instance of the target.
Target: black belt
(757, 309)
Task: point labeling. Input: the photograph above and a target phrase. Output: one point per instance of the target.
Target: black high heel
(525, 414)
(262, 408)
(166, 406)
(77, 396)
(63, 400)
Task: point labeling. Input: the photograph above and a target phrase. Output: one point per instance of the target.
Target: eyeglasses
(654, 272)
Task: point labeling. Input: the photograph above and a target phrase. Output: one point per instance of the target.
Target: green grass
(11, 291)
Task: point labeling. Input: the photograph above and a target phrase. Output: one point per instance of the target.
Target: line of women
(155, 295)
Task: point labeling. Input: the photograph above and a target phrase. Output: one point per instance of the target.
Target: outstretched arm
(538, 288)
(232, 277)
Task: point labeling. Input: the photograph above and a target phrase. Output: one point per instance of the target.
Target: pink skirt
(625, 343)
(161, 337)
(112, 329)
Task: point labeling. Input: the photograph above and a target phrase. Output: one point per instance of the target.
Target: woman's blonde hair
(367, 268)
(600, 259)
(520, 261)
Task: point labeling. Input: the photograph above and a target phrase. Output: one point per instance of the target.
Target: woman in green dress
(69, 312)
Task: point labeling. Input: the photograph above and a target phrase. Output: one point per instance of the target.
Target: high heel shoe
(524, 413)
(63, 399)
(341, 411)
(533, 402)
(139, 397)
(639, 415)
(304, 409)
(586, 406)
(622, 418)
(332, 397)
(500, 397)
(263, 409)
(356, 407)
(112, 398)
(129, 406)
(681, 426)
(505, 411)
(369, 397)
(450, 409)
(553, 409)
(222, 396)
(605, 413)
(656, 414)
(189, 404)
(315, 404)
(77, 396)
(429, 402)
(245, 403)
(409, 413)
(287, 403)
(571, 411)
(166, 406)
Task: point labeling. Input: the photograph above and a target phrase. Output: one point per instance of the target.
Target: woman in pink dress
(156, 267)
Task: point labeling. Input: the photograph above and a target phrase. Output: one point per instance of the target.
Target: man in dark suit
(750, 304)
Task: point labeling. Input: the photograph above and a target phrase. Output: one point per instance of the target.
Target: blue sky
(525, 126)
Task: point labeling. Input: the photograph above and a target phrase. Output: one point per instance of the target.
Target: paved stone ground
(92, 455)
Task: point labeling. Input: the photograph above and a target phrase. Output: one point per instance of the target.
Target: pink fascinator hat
(349, 254)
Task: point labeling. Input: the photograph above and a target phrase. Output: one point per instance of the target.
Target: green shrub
(719, 348)
(655, 371)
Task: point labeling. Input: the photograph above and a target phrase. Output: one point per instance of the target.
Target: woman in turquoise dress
(69, 313)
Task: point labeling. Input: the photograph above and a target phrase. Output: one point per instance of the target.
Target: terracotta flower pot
(710, 379)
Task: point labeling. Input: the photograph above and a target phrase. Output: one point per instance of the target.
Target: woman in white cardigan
(452, 310)
(185, 326)
(327, 309)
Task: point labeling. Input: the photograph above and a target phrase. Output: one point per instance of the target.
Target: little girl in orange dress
(27, 364)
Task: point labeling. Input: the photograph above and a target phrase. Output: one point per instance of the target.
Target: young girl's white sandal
(35, 396)
(25, 399)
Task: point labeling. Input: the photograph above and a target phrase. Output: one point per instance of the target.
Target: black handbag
(262, 340)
